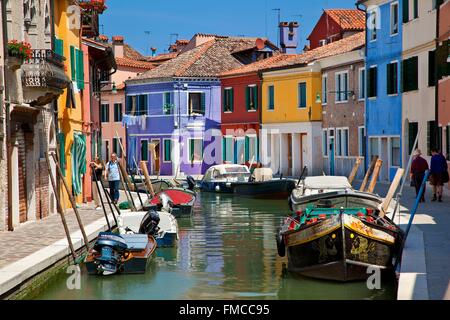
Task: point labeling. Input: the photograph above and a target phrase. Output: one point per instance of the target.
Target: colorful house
(72, 129)
(336, 24)
(418, 77)
(343, 95)
(241, 110)
(173, 112)
(384, 99)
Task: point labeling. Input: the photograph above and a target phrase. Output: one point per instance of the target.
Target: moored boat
(180, 200)
(120, 254)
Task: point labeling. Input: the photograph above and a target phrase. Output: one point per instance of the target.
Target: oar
(301, 175)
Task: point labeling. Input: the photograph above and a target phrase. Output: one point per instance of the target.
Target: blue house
(384, 99)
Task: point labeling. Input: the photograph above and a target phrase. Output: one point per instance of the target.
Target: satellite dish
(260, 44)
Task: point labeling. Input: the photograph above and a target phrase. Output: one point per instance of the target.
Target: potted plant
(18, 52)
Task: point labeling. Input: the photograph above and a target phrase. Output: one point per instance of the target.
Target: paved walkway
(433, 219)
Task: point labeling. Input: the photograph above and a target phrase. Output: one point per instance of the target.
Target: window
(344, 142)
(410, 74)
(341, 87)
(361, 141)
(117, 112)
(395, 152)
(251, 97)
(437, 3)
(362, 84)
(167, 150)
(394, 18)
(431, 68)
(271, 97)
(302, 95)
(415, 9)
(116, 147)
(137, 105)
(374, 147)
(144, 150)
(142, 105)
(227, 152)
(339, 142)
(392, 78)
(405, 11)
(195, 150)
(325, 143)
(432, 136)
(228, 100)
(413, 129)
(322, 42)
(104, 112)
(372, 82)
(373, 20)
(197, 103)
(167, 103)
(77, 67)
(324, 88)
(251, 148)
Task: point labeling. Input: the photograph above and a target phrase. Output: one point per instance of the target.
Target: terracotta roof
(98, 43)
(163, 56)
(345, 45)
(348, 19)
(206, 60)
(127, 62)
(256, 66)
(131, 53)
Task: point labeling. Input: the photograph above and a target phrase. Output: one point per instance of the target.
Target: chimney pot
(289, 37)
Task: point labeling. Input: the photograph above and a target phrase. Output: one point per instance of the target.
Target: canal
(227, 250)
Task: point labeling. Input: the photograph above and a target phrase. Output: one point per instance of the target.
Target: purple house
(173, 111)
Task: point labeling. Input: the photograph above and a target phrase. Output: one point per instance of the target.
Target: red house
(335, 24)
(241, 111)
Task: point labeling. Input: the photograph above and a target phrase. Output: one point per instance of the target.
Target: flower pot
(13, 62)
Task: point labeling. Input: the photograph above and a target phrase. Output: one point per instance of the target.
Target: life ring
(281, 248)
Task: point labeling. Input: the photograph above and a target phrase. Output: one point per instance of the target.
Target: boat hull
(169, 239)
(340, 248)
(273, 189)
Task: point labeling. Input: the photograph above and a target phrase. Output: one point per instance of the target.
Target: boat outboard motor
(191, 182)
(149, 224)
(111, 248)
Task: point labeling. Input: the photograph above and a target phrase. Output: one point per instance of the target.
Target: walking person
(438, 174)
(418, 167)
(97, 168)
(113, 175)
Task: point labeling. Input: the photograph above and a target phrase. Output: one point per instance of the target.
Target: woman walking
(438, 174)
(418, 167)
(112, 174)
(97, 168)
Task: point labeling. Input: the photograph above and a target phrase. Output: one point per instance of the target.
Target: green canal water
(227, 250)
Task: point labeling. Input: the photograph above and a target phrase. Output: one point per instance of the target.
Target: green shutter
(62, 151)
(271, 97)
(247, 98)
(224, 100)
(232, 100)
(167, 150)
(59, 46)
(247, 148)
(224, 149)
(72, 63)
(203, 102)
(191, 149)
(255, 97)
(405, 11)
(302, 95)
(80, 69)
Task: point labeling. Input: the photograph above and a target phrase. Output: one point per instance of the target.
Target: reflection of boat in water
(336, 232)
(113, 253)
(237, 180)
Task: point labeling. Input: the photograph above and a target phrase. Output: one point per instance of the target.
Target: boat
(181, 201)
(238, 180)
(143, 222)
(120, 254)
(338, 235)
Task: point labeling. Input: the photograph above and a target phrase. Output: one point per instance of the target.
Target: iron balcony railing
(39, 56)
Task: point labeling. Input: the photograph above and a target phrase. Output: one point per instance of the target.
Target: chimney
(153, 51)
(288, 37)
(117, 42)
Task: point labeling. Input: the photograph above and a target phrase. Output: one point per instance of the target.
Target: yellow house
(71, 128)
(291, 117)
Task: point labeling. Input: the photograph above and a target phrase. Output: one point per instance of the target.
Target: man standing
(418, 167)
(112, 173)
(438, 174)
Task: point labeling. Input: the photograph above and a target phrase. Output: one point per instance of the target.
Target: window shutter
(389, 78)
(247, 98)
(62, 152)
(405, 11)
(431, 68)
(142, 105)
(255, 97)
(224, 149)
(59, 46)
(247, 148)
(375, 75)
(232, 99)
(224, 100)
(80, 69)
(191, 151)
(203, 102)
(72, 62)
(414, 72)
(128, 105)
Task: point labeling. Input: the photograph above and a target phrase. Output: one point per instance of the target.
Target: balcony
(43, 77)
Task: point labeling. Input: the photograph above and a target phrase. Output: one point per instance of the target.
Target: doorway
(155, 156)
(331, 152)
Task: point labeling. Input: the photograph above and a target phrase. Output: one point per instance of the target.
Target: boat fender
(217, 188)
(281, 247)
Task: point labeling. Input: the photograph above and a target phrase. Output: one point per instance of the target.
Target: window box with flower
(18, 53)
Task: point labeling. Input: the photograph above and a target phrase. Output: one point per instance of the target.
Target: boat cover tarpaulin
(177, 197)
(327, 182)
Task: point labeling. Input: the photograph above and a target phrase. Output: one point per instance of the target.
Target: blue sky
(255, 18)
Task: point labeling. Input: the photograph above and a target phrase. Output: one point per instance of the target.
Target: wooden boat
(237, 179)
(180, 200)
(120, 254)
(166, 234)
(339, 243)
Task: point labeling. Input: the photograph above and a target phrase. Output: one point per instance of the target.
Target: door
(304, 144)
(331, 152)
(289, 153)
(240, 151)
(384, 173)
(155, 156)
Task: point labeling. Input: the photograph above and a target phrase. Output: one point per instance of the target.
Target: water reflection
(227, 250)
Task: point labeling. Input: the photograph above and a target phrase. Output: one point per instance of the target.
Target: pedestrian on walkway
(97, 173)
(418, 167)
(438, 174)
(112, 174)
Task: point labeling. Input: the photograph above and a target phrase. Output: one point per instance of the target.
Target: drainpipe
(438, 141)
(8, 122)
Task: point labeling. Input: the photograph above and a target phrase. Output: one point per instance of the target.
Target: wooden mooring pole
(354, 171)
(147, 178)
(376, 173)
(368, 173)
